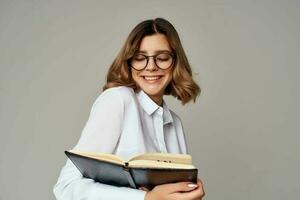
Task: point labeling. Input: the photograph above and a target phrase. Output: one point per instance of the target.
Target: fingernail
(192, 185)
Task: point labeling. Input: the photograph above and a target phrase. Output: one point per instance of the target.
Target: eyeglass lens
(162, 60)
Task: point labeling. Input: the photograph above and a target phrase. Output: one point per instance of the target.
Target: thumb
(180, 187)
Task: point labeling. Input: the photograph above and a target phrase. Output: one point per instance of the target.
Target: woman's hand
(174, 191)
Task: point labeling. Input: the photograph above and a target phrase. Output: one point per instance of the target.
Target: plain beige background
(243, 132)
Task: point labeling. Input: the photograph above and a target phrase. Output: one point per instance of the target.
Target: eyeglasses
(162, 60)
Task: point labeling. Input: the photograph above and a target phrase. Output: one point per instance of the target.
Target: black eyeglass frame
(154, 58)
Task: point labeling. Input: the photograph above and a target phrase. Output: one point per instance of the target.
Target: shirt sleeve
(100, 134)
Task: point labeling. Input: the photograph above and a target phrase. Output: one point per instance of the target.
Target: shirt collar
(150, 106)
(166, 114)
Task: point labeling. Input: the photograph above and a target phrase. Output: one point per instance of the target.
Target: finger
(200, 185)
(195, 194)
(144, 189)
(179, 187)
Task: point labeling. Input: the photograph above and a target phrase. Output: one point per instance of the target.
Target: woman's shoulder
(124, 92)
(113, 98)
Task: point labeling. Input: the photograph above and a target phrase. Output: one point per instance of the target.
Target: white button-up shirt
(124, 123)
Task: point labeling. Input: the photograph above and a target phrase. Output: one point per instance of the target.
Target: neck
(157, 99)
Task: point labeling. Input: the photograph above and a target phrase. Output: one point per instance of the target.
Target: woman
(130, 116)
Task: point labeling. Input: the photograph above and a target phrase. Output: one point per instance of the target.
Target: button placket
(160, 130)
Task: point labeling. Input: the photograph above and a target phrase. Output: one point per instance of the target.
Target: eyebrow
(158, 51)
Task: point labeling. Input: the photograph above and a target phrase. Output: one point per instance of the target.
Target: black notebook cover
(121, 175)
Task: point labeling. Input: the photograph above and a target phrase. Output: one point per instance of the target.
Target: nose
(151, 66)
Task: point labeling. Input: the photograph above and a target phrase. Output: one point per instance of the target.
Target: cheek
(169, 76)
(134, 75)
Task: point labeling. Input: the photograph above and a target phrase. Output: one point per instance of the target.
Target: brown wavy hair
(182, 86)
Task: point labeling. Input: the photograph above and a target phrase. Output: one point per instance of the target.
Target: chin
(153, 88)
(153, 84)
(152, 92)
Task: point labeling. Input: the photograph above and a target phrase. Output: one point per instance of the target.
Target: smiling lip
(152, 78)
